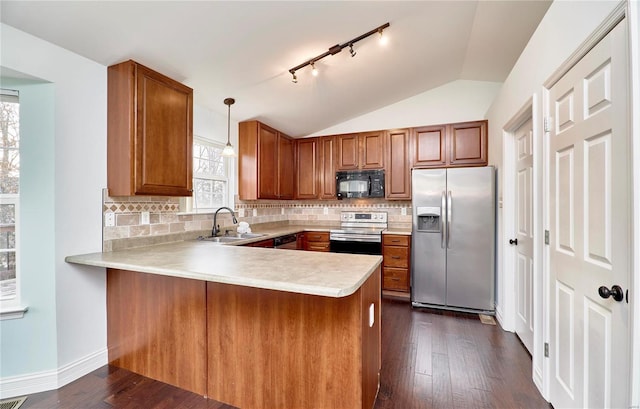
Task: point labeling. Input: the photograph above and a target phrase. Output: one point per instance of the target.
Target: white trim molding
(54, 379)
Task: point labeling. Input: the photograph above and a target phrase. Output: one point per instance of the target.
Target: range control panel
(368, 217)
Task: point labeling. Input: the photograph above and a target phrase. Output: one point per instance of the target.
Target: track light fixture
(336, 49)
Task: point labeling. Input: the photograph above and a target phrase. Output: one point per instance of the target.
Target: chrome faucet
(216, 227)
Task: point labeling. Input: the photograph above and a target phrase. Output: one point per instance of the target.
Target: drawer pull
(395, 241)
(395, 279)
(396, 257)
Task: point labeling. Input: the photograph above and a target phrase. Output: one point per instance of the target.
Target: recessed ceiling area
(244, 49)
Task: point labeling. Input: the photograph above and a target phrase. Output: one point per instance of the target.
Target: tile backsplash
(166, 223)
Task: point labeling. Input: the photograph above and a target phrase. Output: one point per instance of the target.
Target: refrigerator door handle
(443, 220)
(449, 210)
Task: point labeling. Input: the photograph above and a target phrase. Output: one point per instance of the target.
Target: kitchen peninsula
(251, 327)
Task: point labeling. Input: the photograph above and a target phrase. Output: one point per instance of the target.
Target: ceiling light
(383, 38)
(228, 149)
(336, 49)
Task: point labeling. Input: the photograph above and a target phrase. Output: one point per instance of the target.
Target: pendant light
(228, 149)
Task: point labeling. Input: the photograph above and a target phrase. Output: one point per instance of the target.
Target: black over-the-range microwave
(359, 184)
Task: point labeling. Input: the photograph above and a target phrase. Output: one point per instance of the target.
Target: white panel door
(589, 199)
(524, 233)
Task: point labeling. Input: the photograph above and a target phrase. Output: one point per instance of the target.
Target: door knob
(615, 292)
(513, 241)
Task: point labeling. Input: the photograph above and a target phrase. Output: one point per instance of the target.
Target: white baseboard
(54, 379)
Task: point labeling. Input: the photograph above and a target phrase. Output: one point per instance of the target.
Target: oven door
(356, 244)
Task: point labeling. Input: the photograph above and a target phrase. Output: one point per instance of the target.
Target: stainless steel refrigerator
(452, 252)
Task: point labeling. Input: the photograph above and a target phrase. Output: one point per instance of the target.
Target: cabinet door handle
(396, 257)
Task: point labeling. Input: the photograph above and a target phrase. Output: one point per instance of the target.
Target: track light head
(294, 79)
(383, 38)
(353, 53)
(314, 71)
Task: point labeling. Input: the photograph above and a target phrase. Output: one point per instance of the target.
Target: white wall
(457, 101)
(29, 344)
(74, 223)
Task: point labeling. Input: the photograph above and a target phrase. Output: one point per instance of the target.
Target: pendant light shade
(228, 149)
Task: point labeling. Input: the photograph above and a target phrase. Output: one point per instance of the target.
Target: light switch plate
(144, 218)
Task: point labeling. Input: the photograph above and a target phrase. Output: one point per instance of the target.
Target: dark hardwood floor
(430, 359)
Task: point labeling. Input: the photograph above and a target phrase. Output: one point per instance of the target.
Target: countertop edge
(310, 289)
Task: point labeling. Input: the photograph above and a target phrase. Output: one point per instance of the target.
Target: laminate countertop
(306, 272)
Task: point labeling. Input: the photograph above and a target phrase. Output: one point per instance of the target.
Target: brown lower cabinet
(396, 253)
(247, 347)
(263, 243)
(316, 241)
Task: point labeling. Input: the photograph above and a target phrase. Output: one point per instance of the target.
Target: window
(9, 192)
(210, 176)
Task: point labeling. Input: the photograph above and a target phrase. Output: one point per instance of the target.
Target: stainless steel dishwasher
(286, 242)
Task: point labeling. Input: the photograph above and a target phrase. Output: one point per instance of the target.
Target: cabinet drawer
(395, 279)
(396, 256)
(317, 246)
(315, 236)
(395, 240)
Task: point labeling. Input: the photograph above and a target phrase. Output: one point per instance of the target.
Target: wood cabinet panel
(307, 169)
(348, 152)
(395, 279)
(269, 243)
(285, 167)
(148, 316)
(460, 144)
(372, 150)
(396, 261)
(149, 133)
(360, 151)
(272, 349)
(268, 162)
(396, 240)
(396, 256)
(317, 241)
(468, 144)
(429, 146)
(265, 162)
(398, 169)
(328, 167)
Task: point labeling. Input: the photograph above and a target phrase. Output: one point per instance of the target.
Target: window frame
(190, 201)
(11, 308)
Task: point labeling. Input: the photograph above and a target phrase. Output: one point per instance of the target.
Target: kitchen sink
(231, 239)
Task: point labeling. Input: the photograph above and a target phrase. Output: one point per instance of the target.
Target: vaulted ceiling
(244, 49)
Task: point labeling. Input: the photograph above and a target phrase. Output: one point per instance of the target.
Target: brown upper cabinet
(398, 169)
(265, 162)
(327, 159)
(149, 133)
(461, 144)
(360, 151)
(307, 169)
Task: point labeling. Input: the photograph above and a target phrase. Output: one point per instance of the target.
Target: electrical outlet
(255, 212)
(144, 218)
(326, 210)
(404, 211)
(109, 219)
